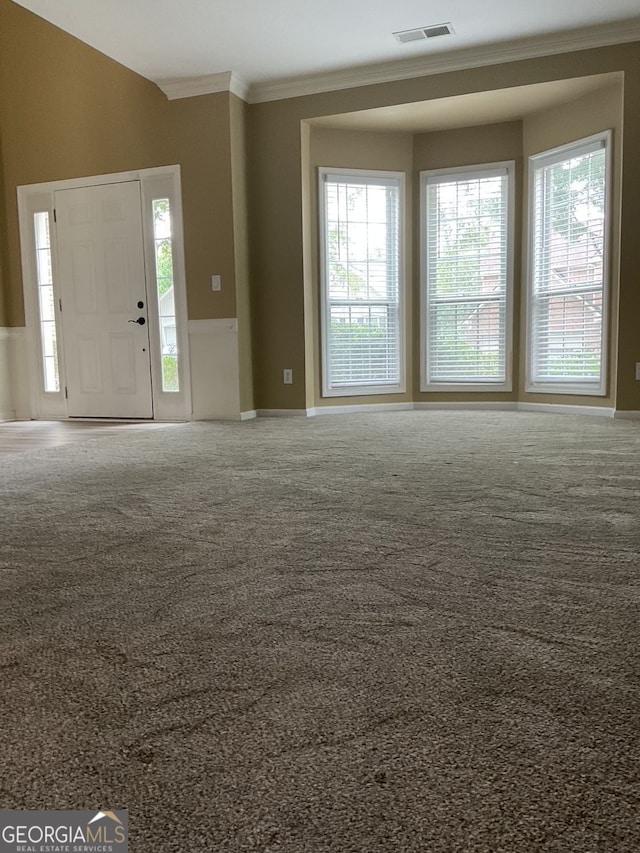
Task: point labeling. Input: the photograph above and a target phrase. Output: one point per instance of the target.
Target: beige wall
(68, 111)
(4, 253)
(628, 389)
(240, 198)
(277, 222)
(201, 143)
(599, 111)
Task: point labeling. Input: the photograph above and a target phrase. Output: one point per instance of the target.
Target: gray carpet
(405, 632)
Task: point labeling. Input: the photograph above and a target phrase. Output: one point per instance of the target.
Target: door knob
(141, 321)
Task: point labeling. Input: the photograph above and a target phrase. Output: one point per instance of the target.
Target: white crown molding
(512, 51)
(190, 87)
(238, 87)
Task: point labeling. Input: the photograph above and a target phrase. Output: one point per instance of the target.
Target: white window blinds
(361, 283)
(467, 269)
(566, 326)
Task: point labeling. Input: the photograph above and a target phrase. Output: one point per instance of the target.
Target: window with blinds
(567, 304)
(361, 282)
(467, 278)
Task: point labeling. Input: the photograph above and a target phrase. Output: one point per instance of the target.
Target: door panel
(102, 279)
(89, 373)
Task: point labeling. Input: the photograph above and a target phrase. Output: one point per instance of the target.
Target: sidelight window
(165, 293)
(46, 302)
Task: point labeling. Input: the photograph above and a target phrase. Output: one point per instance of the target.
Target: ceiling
(477, 108)
(278, 41)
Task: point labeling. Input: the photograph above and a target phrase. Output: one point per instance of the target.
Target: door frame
(161, 182)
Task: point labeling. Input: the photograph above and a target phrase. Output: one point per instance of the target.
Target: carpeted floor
(381, 633)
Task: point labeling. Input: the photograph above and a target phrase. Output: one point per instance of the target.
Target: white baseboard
(285, 413)
(496, 406)
(477, 405)
(566, 409)
(622, 414)
(247, 416)
(354, 408)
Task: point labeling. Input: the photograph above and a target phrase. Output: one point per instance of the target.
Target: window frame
(49, 211)
(507, 167)
(361, 176)
(547, 158)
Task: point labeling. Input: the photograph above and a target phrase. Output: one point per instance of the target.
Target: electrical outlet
(287, 376)
(638, 370)
(216, 282)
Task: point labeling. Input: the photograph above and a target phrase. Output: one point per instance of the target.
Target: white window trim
(557, 155)
(484, 170)
(160, 182)
(362, 176)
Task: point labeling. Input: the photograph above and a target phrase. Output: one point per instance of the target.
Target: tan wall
(68, 111)
(468, 147)
(277, 291)
(277, 250)
(201, 143)
(392, 152)
(599, 111)
(628, 389)
(238, 130)
(4, 249)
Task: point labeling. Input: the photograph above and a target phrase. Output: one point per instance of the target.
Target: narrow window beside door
(46, 302)
(165, 292)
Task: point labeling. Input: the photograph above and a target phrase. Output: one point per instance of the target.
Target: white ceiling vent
(422, 33)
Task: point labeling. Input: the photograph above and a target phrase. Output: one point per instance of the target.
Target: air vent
(422, 33)
(438, 30)
(410, 35)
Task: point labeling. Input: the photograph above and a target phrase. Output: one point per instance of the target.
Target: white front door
(104, 301)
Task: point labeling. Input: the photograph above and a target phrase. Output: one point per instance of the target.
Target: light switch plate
(216, 282)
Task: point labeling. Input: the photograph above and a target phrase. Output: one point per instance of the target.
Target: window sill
(464, 387)
(363, 391)
(567, 390)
